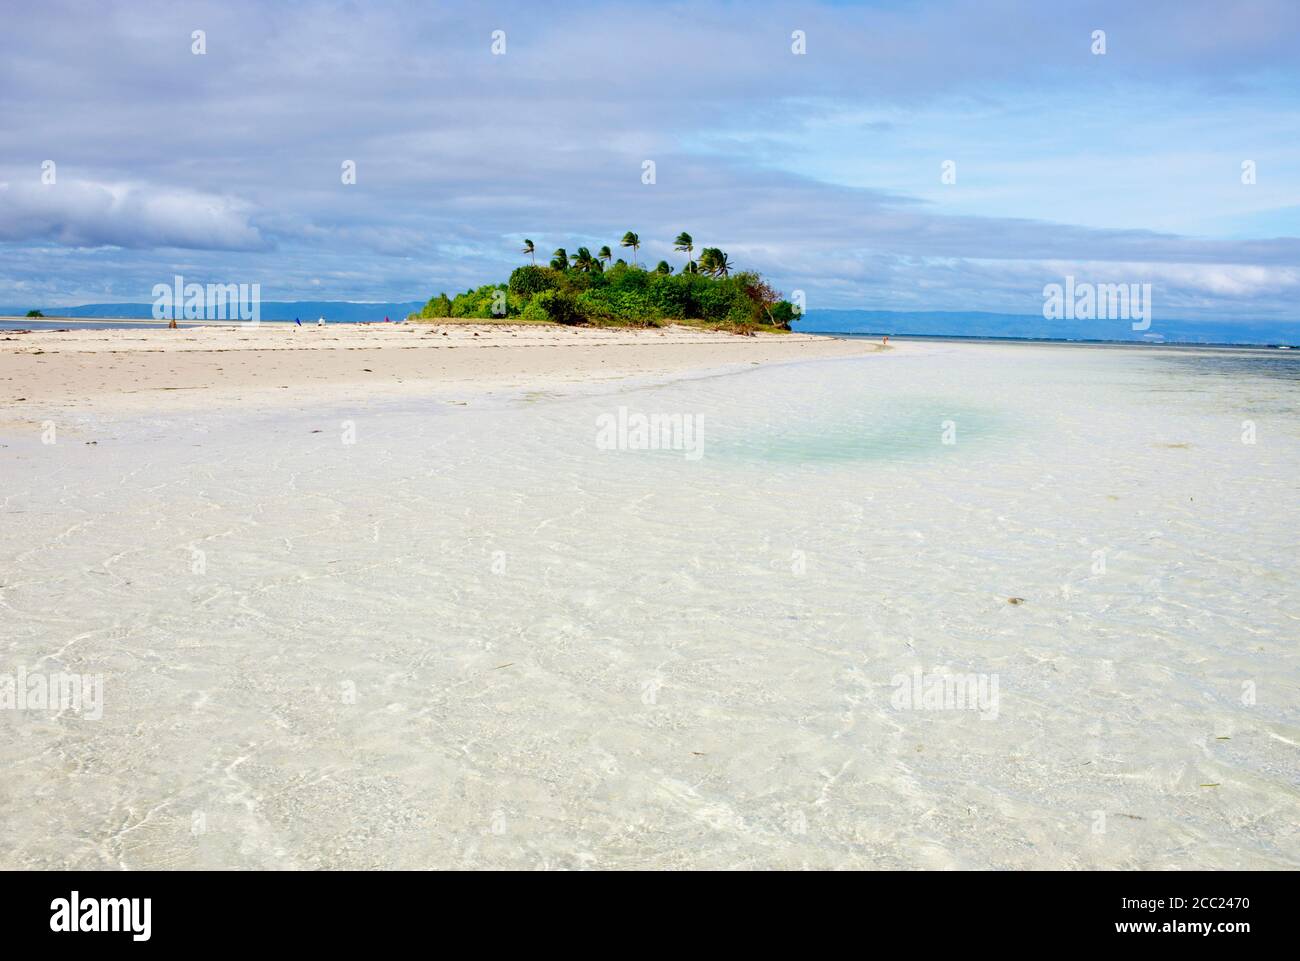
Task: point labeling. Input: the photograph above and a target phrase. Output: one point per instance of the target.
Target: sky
(824, 170)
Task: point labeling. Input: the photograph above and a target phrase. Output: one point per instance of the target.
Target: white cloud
(80, 213)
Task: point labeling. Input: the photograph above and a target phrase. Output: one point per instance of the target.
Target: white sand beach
(160, 369)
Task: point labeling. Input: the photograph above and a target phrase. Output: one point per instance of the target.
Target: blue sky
(822, 170)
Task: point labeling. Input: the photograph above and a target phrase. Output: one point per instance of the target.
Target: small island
(596, 290)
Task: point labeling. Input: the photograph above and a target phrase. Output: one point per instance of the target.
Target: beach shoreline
(44, 372)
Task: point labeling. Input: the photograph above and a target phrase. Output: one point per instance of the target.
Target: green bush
(742, 311)
(623, 277)
(535, 309)
(439, 306)
(528, 281)
(670, 297)
(574, 282)
(718, 299)
(630, 305)
(486, 302)
(783, 314)
(594, 307)
(555, 306)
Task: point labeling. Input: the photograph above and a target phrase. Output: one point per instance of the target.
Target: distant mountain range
(339, 311)
(930, 322)
(979, 324)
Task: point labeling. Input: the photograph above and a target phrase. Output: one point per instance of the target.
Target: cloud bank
(821, 169)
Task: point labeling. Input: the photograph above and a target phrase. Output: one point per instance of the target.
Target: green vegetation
(685, 243)
(34, 313)
(714, 263)
(631, 240)
(583, 289)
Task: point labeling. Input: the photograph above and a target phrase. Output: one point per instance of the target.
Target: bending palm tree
(583, 260)
(714, 262)
(685, 243)
(606, 255)
(631, 240)
(560, 259)
(528, 249)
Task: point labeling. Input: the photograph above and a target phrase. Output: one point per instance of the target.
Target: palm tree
(685, 243)
(605, 254)
(714, 262)
(631, 240)
(528, 249)
(663, 267)
(583, 260)
(560, 259)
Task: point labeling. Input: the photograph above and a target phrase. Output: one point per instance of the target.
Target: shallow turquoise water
(849, 434)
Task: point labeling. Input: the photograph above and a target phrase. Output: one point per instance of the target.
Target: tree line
(586, 288)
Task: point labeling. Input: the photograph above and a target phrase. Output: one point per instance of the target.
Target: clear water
(473, 638)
